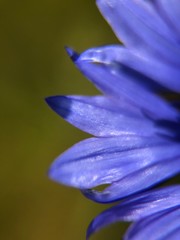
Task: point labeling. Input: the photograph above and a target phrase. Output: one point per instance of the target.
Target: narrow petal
(137, 207)
(170, 10)
(98, 161)
(140, 29)
(155, 71)
(137, 181)
(161, 224)
(119, 81)
(98, 116)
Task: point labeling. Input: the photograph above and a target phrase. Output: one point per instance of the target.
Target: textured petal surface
(116, 80)
(155, 71)
(161, 224)
(137, 131)
(137, 181)
(100, 117)
(94, 162)
(138, 25)
(138, 207)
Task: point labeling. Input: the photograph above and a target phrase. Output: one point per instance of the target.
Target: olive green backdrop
(33, 65)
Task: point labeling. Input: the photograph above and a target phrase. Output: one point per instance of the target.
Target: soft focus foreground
(34, 65)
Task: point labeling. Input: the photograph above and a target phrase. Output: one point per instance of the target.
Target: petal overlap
(135, 123)
(163, 225)
(170, 10)
(141, 29)
(137, 180)
(130, 161)
(116, 80)
(154, 71)
(138, 208)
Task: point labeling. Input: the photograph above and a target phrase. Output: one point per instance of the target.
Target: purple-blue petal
(140, 28)
(115, 161)
(155, 71)
(138, 130)
(174, 235)
(158, 226)
(120, 82)
(97, 116)
(137, 207)
(170, 10)
(137, 181)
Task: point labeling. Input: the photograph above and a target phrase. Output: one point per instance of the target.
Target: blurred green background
(33, 65)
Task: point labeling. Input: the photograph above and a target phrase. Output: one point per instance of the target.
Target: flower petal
(98, 161)
(155, 71)
(173, 235)
(121, 82)
(160, 224)
(97, 116)
(141, 29)
(137, 181)
(137, 207)
(170, 9)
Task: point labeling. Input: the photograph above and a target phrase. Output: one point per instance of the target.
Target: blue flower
(136, 143)
(155, 213)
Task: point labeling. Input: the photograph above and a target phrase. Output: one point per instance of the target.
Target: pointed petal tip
(72, 54)
(60, 104)
(48, 100)
(51, 101)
